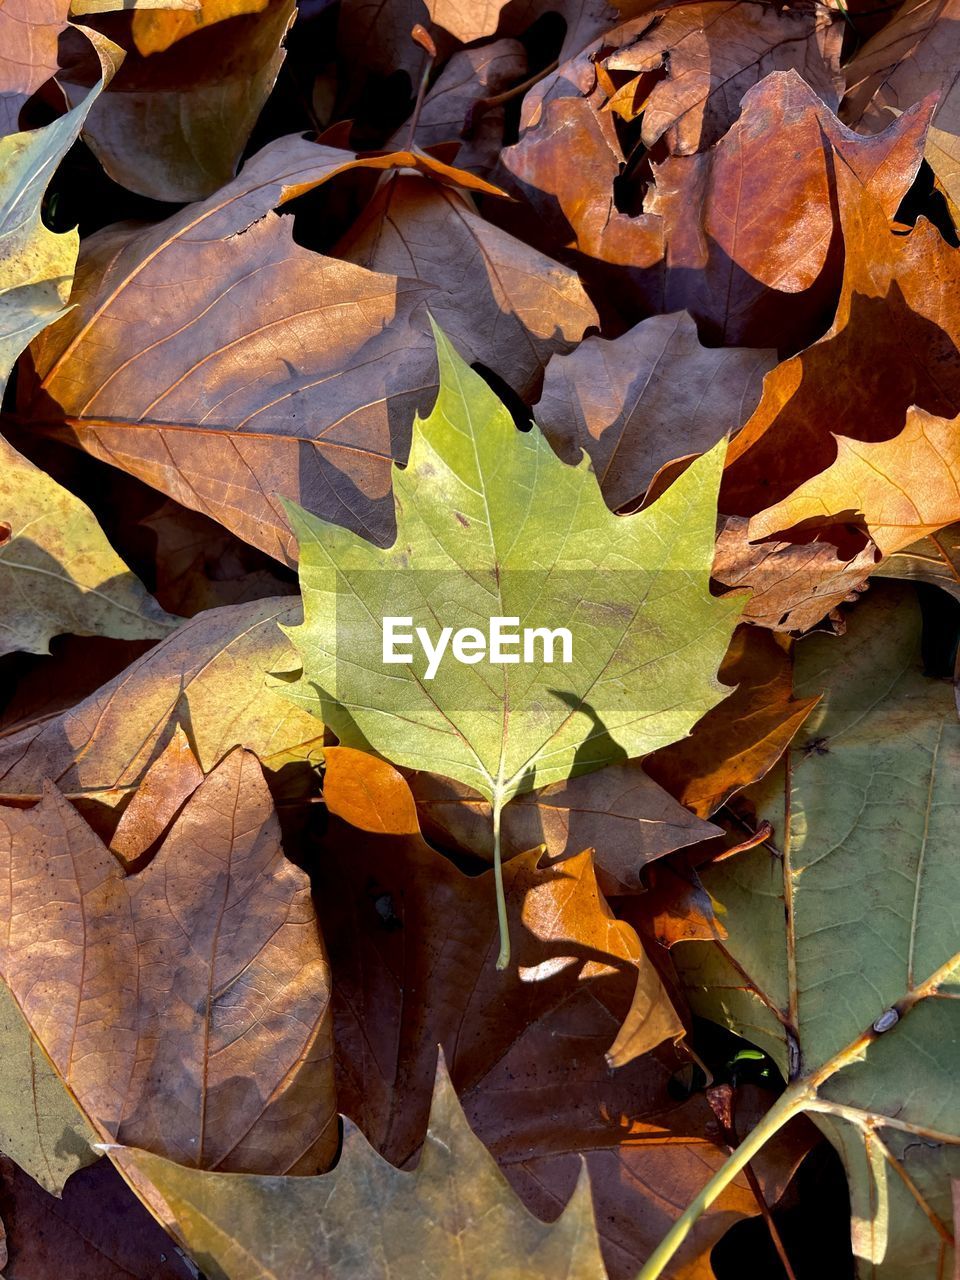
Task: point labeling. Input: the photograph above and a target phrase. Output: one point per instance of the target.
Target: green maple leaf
(490, 523)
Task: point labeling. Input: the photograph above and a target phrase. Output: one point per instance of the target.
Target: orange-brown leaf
(171, 779)
(897, 325)
(737, 742)
(751, 229)
(904, 488)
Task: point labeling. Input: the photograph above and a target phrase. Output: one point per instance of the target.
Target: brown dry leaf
(168, 783)
(737, 742)
(568, 940)
(29, 32)
(713, 53)
(564, 169)
(642, 399)
(211, 676)
(935, 559)
(187, 95)
(520, 302)
(400, 919)
(897, 324)
(466, 20)
(675, 908)
(759, 262)
(188, 1006)
(911, 56)
(793, 585)
(195, 398)
(904, 488)
(471, 74)
(619, 813)
(97, 1231)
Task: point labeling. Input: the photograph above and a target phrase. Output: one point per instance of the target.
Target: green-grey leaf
(454, 1218)
(36, 264)
(858, 998)
(41, 1128)
(57, 570)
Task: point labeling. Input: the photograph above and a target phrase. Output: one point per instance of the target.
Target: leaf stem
(421, 37)
(503, 959)
(790, 1103)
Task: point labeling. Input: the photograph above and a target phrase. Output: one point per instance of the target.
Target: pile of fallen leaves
(640, 321)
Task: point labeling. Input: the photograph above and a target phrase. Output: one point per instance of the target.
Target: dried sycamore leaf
(188, 94)
(857, 1000)
(751, 227)
(211, 676)
(904, 488)
(713, 53)
(186, 1007)
(640, 400)
(911, 56)
(739, 741)
(897, 325)
(793, 585)
(275, 370)
(563, 169)
(520, 300)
